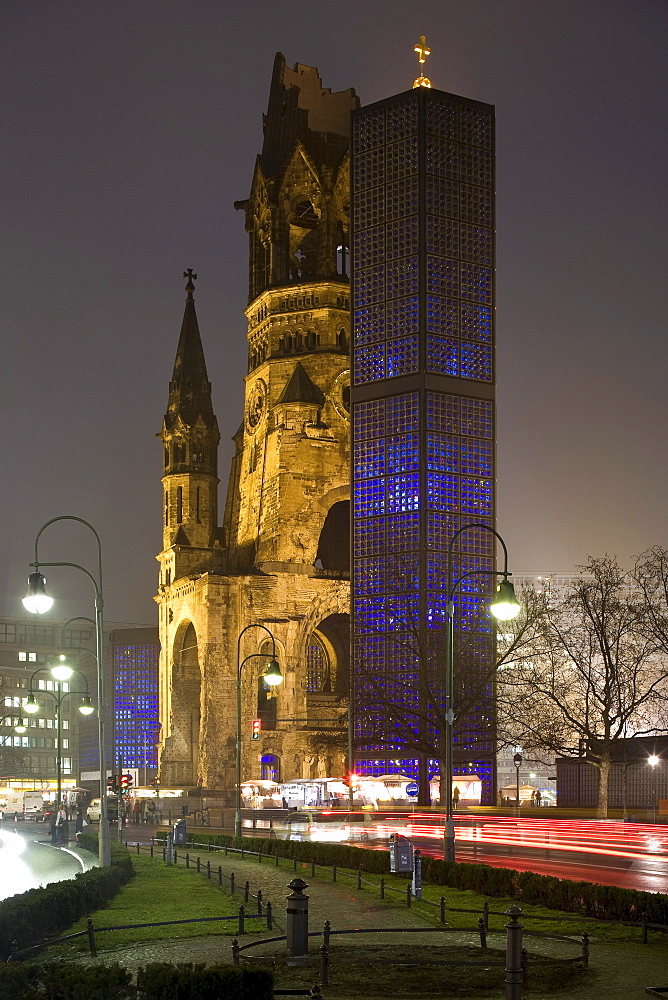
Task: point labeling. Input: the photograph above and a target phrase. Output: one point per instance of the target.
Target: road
(28, 860)
(630, 855)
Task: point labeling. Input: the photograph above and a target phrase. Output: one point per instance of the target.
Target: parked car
(94, 809)
(327, 825)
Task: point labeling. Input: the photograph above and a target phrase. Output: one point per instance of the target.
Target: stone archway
(181, 751)
(334, 543)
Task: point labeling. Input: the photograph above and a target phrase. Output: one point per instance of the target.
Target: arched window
(271, 767)
(342, 340)
(317, 666)
(179, 504)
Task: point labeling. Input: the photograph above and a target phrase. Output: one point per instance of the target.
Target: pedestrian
(79, 824)
(135, 811)
(53, 828)
(538, 796)
(455, 796)
(62, 825)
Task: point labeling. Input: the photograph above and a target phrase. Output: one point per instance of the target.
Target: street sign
(412, 788)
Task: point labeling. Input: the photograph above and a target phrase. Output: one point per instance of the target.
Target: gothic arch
(182, 750)
(334, 542)
(327, 656)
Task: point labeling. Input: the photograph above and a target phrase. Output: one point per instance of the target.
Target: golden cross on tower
(423, 51)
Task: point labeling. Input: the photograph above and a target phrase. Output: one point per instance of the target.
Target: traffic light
(125, 782)
(256, 729)
(113, 784)
(351, 779)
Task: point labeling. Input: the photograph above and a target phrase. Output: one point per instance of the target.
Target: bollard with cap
(297, 918)
(513, 954)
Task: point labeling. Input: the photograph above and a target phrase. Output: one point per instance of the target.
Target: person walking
(78, 824)
(62, 825)
(455, 796)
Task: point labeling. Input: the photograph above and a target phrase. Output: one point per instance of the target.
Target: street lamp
(272, 676)
(653, 760)
(517, 761)
(61, 673)
(37, 601)
(504, 606)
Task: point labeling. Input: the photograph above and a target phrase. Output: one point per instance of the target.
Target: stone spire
(190, 389)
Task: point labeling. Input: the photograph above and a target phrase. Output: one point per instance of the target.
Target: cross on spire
(190, 287)
(423, 51)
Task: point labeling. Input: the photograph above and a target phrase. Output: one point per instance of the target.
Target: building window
(317, 666)
(179, 504)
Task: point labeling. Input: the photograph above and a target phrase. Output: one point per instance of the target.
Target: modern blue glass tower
(422, 396)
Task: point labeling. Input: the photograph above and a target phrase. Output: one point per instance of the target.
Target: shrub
(65, 981)
(39, 913)
(199, 982)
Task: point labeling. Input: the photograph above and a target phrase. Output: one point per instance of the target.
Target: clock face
(340, 394)
(256, 405)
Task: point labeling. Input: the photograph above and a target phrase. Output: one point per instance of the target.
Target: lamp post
(504, 607)
(517, 761)
(37, 601)
(61, 672)
(273, 676)
(653, 760)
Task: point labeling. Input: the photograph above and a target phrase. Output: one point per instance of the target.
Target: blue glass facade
(423, 435)
(135, 673)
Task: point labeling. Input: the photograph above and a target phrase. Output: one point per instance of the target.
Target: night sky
(130, 128)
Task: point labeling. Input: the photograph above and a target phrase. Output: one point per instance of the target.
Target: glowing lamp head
(272, 674)
(86, 706)
(37, 601)
(505, 605)
(653, 760)
(21, 726)
(61, 669)
(31, 705)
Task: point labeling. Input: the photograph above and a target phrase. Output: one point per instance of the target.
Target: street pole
(240, 663)
(103, 836)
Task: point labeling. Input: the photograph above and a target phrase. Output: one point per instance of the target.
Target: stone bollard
(482, 931)
(267, 910)
(259, 901)
(235, 951)
(297, 918)
(442, 909)
(513, 954)
(324, 961)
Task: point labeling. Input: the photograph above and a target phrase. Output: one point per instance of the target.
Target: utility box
(180, 833)
(401, 854)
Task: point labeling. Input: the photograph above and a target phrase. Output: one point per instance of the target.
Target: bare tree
(596, 673)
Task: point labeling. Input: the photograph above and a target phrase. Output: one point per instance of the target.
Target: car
(327, 825)
(94, 809)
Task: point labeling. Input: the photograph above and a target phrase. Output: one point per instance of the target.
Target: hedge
(604, 902)
(40, 913)
(71, 981)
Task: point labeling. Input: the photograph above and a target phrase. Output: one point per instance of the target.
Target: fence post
(91, 937)
(137, 846)
(176, 857)
(294, 864)
(242, 914)
(644, 928)
(585, 950)
(235, 951)
(485, 913)
(242, 852)
(408, 896)
(187, 860)
(164, 854)
(259, 901)
(275, 860)
(442, 909)
(151, 850)
(312, 869)
(220, 875)
(513, 954)
(259, 857)
(359, 878)
(225, 850)
(208, 869)
(482, 931)
(297, 918)
(324, 960)
(325, 933)
(198, 865)
(382, 888)
(333, 873)
(417, 873)
(270, 922)
(246, 891)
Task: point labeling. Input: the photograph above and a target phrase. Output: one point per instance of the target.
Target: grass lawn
(160, 893)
